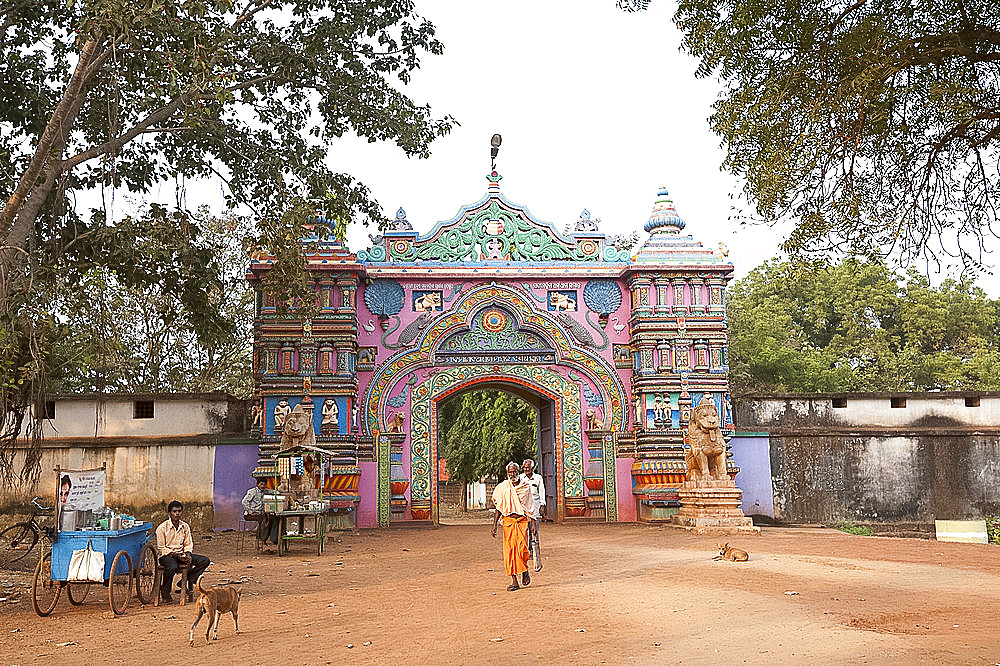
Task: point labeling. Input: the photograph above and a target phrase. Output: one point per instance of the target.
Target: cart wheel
(145, 575)
(120, 582)
(77, 592)
(44, 590)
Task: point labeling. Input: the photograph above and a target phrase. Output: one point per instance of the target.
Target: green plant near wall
(851, 528)
(993, 529)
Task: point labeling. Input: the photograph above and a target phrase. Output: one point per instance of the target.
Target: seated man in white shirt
(174, 545)
(253, 510)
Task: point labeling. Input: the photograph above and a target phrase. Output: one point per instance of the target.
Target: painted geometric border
(406, 362)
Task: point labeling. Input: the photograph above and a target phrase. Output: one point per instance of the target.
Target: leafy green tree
(126, 94)
(873, 125)
(857, 326)
(128, 339)
(482, 431)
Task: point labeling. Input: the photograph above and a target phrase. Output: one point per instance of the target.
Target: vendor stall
(92, 543)
(300, 476)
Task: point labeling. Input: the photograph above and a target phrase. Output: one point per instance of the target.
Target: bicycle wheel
(120, 582)
(77, 592)
(145, 575)
(44, 590)
(16, 542)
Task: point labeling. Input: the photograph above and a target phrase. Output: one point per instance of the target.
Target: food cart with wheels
(299, 475)
(127, 548)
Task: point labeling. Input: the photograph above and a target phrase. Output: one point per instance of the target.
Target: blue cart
(129, 557)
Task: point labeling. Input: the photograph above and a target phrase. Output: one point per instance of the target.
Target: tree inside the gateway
(482, 431)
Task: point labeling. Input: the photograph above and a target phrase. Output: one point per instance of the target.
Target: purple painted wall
(368, 489)
(752, 454)
(233, 465)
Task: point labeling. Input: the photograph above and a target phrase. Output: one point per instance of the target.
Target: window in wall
(972, 401)
(142, 409)
(897, 402)
(49, 409)
(839, 403)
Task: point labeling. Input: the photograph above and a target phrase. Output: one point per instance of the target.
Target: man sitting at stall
(253, 511)
(174, 546)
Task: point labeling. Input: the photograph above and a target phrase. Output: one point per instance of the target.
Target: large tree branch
(56, 130)
(158, 116)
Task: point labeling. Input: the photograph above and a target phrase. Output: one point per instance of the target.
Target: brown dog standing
(214, 602)
(727, 552)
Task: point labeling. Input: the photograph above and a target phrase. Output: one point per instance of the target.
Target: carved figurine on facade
(257, 414)
(395, 424)
(281, 412)
(706, 457)
(593, 423)
(659, 413)
(298, 429)
(330, 414)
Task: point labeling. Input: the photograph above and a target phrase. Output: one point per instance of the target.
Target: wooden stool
(241, 535)
(183, 571)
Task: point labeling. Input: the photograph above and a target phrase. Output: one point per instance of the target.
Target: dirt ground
(619, 593)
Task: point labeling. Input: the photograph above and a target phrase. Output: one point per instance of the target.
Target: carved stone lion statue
(395, 424)
(298, 429)
(593, 423)
(706, 459)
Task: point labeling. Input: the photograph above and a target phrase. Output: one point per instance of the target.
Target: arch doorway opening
(480, 430)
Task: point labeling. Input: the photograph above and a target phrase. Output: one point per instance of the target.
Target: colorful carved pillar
(697, 299)
(679, 307)
(399, 481)
(662, 289)
(610, 441)
(594, 476)
(382, 451)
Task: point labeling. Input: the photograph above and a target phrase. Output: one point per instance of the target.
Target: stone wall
(880, 458)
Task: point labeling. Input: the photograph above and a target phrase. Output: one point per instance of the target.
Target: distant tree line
(859, 326)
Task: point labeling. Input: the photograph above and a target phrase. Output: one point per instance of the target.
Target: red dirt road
(608, 594)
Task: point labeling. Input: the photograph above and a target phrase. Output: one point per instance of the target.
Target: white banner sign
(81, 491)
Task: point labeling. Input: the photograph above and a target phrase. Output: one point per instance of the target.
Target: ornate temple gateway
(612, 349)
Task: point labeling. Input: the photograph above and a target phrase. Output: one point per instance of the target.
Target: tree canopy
(122, 96)
(858, 326)
(872, 125)
(482, 431)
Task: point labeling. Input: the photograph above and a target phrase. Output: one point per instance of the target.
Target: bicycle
(18, 540)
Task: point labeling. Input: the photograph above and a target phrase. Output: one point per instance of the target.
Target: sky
(597, 108)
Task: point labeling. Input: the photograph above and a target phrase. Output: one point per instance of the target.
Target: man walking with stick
(537, 485)
(512, 499)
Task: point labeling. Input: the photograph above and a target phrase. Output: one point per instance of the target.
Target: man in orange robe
(513, 501)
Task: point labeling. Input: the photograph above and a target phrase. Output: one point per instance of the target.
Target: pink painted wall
(626, 500)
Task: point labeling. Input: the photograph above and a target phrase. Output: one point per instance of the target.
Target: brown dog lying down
(727, 552)
(214, 602)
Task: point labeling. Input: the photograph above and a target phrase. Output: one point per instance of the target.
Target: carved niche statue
(706, 459)
(281, 412)
(593, 423)
(329, 423)
(395, 424)
(298, 429)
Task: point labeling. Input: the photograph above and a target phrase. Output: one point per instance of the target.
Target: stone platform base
(712, 507)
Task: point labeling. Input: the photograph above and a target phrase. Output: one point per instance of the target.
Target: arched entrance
(560, 437)
(492, 335)
(529, 410)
